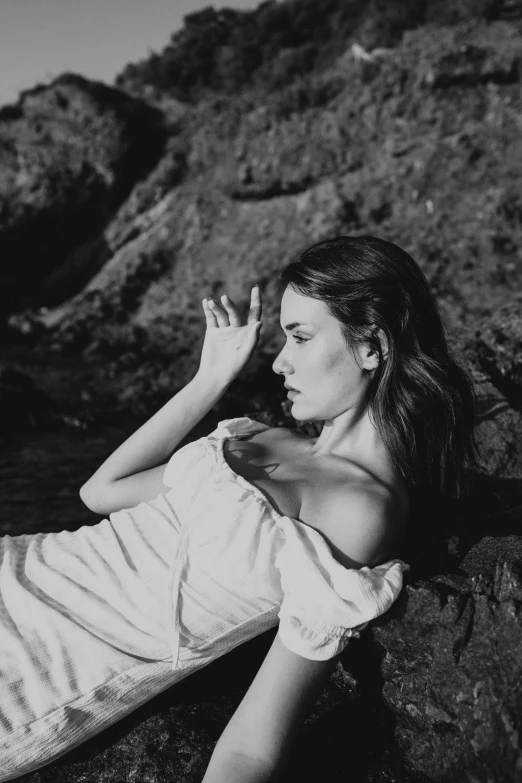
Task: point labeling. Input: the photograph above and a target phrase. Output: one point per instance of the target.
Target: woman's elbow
(92, 498)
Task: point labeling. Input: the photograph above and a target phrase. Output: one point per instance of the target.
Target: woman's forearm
(153, 443)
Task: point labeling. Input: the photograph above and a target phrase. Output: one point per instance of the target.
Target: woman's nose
(281, 366)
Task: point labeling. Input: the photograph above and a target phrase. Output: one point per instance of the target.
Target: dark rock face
(449, 658)
(71, 152)
(21, 402)
(247, 181)
(499, 429)
(499, 351)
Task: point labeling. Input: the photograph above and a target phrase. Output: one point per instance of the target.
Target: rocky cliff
(402, 121)
(71, 152)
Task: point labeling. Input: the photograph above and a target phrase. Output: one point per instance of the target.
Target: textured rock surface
(21, 402)
(71, 152)
(499, 350)
(246, 182)
(450, 664)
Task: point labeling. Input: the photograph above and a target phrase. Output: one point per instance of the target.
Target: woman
(244, 528)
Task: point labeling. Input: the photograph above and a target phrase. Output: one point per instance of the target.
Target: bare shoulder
(362, 519)
(364, 525)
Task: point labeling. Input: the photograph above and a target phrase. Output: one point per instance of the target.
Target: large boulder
(22, 403)
(71, 152)
(499, 350)
(446, 666)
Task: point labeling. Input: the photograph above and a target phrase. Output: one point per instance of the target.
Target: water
(42, 472)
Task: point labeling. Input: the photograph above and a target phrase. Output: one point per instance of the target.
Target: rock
(72, 150)
(470, 66)
(499, 428)
(240, 190)
(499, 351)
(488, 562)
(446, 663)
(21, 402)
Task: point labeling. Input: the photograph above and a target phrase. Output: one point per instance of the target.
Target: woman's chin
(295, 411)
(300, 412)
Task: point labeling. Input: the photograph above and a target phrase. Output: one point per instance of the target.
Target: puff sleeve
(190, 465)
(324, 603)
(241, 425)
(184, 462)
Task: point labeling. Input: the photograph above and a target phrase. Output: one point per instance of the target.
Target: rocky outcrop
(21, 402)
(446, 666)
(245, 183)
(71, 152)
(499, 351)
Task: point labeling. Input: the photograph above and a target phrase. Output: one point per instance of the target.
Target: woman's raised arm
(133, 472)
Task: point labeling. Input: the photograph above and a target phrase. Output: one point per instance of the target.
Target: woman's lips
(292, 392)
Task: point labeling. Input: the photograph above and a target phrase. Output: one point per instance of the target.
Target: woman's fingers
(255, 305)
(209, 314)
(220, 314)
(227, 313)
(233, 313)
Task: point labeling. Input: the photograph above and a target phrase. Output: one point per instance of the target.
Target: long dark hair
(421, 397)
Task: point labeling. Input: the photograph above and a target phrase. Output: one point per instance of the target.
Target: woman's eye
(299, 339)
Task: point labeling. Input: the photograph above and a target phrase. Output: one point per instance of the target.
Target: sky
(40, 39)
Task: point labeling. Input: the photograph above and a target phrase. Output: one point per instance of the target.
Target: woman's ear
(370, 356)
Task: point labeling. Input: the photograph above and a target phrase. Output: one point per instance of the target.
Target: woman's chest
(278, 467)
(296, 486)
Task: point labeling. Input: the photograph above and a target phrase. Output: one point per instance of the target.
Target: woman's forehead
(297, 308)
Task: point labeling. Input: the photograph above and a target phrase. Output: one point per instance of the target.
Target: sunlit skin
(317, 362)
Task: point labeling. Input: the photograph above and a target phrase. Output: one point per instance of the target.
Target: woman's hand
(228, 343)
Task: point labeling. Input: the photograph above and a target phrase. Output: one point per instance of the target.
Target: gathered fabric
(95, 622)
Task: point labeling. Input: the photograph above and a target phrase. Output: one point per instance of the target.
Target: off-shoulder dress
(95, 622)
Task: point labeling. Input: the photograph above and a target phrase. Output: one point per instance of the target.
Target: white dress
(95, 622)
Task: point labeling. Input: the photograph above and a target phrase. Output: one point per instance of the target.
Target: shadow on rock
(22, 404)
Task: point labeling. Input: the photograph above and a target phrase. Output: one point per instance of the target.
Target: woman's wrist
(210, 383)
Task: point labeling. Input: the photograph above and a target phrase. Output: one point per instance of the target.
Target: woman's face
(316, 361)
